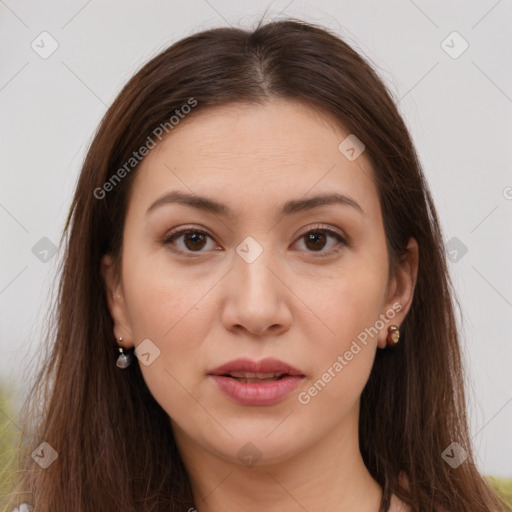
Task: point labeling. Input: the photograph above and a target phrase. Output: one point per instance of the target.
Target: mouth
(259, 377)
(263, 370)
(256, 383)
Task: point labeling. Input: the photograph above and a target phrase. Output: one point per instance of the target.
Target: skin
(290, 303)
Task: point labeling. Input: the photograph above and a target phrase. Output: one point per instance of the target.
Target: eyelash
(192, 254)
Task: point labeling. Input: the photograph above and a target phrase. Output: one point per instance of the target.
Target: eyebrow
(208, 205)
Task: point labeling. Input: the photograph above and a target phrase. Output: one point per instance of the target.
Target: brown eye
(317, 239)
(191, 241)
(194, 240)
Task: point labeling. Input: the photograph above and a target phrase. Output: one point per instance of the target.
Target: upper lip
(267, 365)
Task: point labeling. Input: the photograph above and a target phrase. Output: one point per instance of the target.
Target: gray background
(458, 110)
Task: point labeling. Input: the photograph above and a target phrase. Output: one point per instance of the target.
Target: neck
(329, 475)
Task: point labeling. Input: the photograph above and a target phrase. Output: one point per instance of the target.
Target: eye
(316, 239)
(193, 241)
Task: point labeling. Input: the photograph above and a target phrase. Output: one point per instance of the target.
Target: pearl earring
(124, 358)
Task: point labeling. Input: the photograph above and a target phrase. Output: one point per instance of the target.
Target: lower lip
(256, 393)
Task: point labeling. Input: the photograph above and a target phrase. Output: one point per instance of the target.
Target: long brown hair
(115, 445)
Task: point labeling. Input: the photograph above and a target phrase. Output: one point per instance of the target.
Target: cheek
(162, 297)
(347, 299)
(167, 306)
(348, 304)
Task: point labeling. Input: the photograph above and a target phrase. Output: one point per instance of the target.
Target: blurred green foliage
(503, 486)
(9, 434)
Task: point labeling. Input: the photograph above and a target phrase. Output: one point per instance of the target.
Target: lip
(257, 393)
(266, 365)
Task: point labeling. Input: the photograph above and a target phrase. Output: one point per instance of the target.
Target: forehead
(248, 155)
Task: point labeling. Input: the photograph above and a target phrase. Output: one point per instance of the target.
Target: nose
(256, 298)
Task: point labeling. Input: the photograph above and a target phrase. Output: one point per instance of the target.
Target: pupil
(312, 237)
(195, 238)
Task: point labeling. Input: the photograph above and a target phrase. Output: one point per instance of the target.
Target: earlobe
(116, 301)
(402, 289)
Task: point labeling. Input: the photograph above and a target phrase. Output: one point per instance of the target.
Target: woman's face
(253, 280)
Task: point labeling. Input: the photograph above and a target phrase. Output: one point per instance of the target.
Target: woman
(255, 310)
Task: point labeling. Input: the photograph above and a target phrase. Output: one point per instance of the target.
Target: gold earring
(393, 335)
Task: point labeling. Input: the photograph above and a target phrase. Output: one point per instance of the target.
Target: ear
(401, 289)
(116, 301)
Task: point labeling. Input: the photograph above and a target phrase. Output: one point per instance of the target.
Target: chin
(258, 448)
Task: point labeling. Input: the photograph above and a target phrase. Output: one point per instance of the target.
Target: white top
(24, 507)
